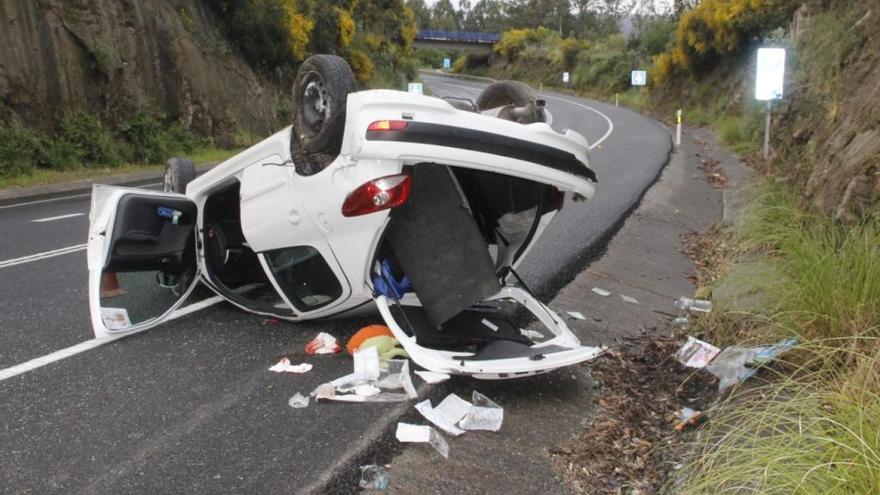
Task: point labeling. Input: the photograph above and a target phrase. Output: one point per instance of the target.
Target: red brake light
(378, 194)
(387, 125)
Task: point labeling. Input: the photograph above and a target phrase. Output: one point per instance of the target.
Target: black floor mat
(439, 246)
(466, 331)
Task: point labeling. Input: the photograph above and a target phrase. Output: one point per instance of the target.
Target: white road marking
(62, 198)
(42, 256)
(59, 217)
(93, 343)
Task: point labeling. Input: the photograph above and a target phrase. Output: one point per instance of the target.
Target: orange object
(110, 285)
(366, 333)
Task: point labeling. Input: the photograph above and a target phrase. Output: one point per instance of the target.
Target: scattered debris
(441, 418)
(576, 315)
(284, 366)
(532, 334)
(629, 299)
(323, 343)
(680, 323)
(432, 376)
(696, 354)
(373, 380)
(270, 321)
(298, 401)
(708, 251)
(483, 415)
(731, 365)
(714, 174)
(422, 434)
(693, 305)
(365, 333)
(374, 477)
(601, 292)
(689, 417)
(628, 446)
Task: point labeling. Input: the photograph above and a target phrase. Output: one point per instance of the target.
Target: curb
(436, 72)
(48, 191)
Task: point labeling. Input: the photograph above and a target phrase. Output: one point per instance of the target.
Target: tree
(487, 15)
(422, 13)
(444, 17)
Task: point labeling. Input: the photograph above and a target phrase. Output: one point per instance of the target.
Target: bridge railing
(458, 36)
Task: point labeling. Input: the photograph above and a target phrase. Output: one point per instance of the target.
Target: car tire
(320, 90)
(178, 173)
(515, 93)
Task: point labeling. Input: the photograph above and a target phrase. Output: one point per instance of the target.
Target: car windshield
(304, 277)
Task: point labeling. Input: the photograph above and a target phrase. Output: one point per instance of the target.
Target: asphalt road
(190, 406)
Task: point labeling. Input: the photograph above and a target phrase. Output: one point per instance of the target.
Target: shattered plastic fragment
(532, 334)
(696, 354)
(373, 477)
(629, 299)
(432, 376)
(483, 415)
(453, 408)
(576, 315)
(422, 434)
(323, 343)
(367, 390)
(284, 366)
(438, 418)
(730, 366)
(370, 373)
(298, 401)
(693, 305)
(688, 417)
(601, 292)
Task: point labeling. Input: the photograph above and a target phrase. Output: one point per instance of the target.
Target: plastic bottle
(694, 305)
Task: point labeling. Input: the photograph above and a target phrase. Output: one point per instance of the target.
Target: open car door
(141, 257)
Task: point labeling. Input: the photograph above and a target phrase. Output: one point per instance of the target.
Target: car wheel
(178, 173)
(520, 98)
(320, 90)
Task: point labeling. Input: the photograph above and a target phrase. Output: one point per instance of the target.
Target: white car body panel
(280, 208)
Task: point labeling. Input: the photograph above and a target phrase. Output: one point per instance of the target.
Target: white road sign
(415, 88)
(565, 77)
(639, 78)
(771, 74)
(447, 63)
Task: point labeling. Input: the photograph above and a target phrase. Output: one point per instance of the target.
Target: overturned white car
(421, 205)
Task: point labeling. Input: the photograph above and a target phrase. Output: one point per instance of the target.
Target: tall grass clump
(815, 431)
(830, 273)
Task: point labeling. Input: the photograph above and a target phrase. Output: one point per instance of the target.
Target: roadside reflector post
(678, 127)
(767, 131)
(616, 99)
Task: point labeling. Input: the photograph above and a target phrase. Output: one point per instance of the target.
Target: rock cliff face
(109, 56)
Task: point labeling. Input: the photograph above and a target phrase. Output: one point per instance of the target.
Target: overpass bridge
(460, 40)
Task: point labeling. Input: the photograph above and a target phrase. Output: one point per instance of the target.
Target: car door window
(304, 277)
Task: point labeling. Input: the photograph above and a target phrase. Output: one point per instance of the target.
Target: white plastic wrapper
(422, 434)
(284, 366)
(483, 415)
(376, 380)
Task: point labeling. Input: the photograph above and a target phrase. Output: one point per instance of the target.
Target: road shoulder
(643, 261)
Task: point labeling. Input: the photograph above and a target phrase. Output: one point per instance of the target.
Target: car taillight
(387, 125)
(378, 194)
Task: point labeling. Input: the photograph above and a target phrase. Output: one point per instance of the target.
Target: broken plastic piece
(439, 418)
(284, 366)
(373, 477)
(483, 415)
(629, 299)
(323, 343)
(693, 305)
(730, 366)
(370, 371)
(422, 434)
(532, 334)
(696, 354)
(576, 315)
(432, 376)
(688, 417)
(298, 401)
(601, 292)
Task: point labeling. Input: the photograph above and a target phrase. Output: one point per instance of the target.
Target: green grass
(816, 430)
(41, 176)
(814, 427)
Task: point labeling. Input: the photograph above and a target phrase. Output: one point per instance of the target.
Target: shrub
(19, 150)
(88, 142)
(152, 141)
